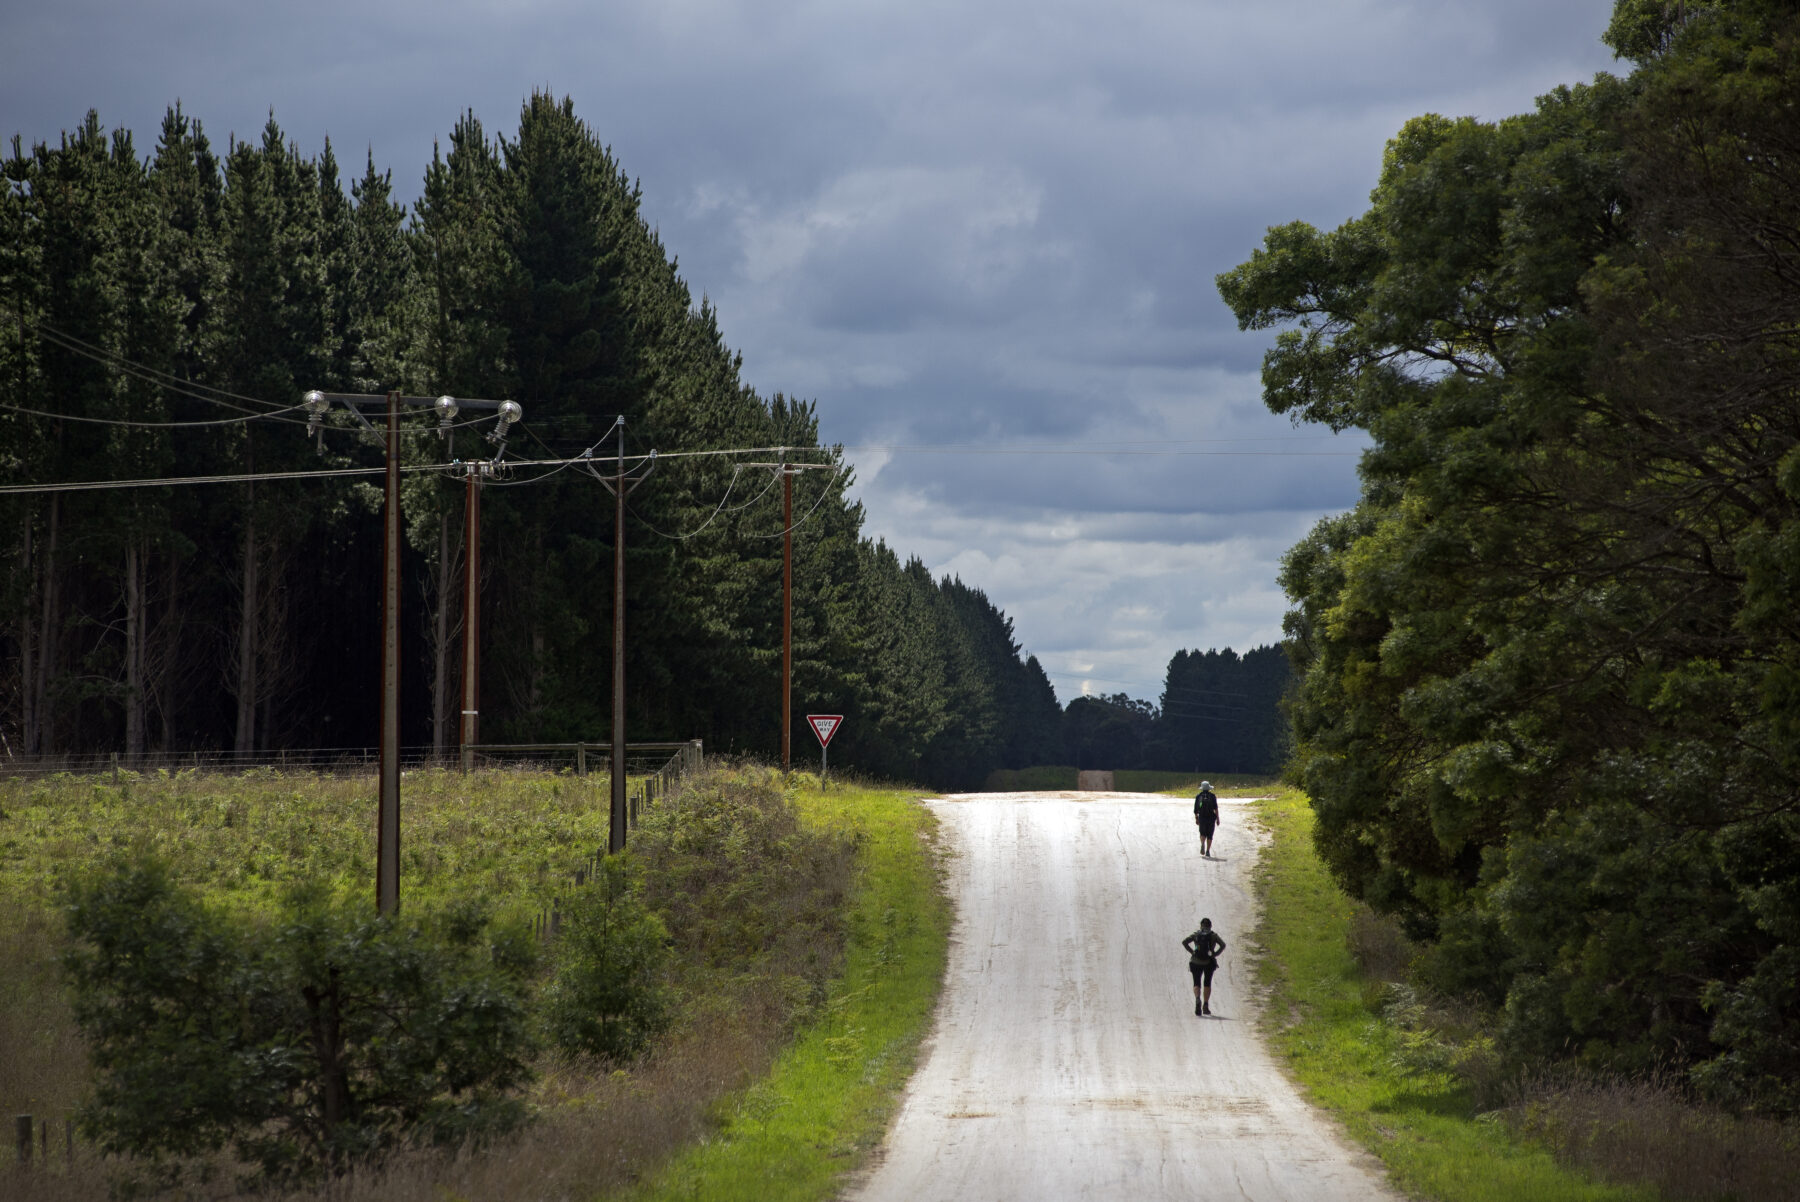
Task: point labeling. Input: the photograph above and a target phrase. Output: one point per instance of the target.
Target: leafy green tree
(609, 996)
(1541, 701)
(1107, 732)
(330, 1039)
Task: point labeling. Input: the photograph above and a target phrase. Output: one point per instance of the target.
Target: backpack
(1206, 804)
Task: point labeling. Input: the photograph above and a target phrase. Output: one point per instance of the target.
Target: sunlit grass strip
(1422, 1127)
(514, 837)
(827, 1102)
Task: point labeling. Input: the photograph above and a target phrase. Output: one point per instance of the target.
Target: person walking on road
(1203, 948)
(1206, 815)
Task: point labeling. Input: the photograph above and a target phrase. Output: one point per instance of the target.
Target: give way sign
(824, 726)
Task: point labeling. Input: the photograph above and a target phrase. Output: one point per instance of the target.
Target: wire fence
(660, 769)
(641, 759)
(348, 761)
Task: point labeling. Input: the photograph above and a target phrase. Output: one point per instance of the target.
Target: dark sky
(982, 236)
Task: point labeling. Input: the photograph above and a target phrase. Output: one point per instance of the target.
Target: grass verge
(1422, 1123)
(827, 1102)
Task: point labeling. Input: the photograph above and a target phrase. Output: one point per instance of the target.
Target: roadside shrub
(1380, 948)
(609, 997)
(328, 1040)
(1649, 1131)
(742, 887)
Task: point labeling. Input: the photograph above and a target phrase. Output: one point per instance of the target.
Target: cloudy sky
(981, 235)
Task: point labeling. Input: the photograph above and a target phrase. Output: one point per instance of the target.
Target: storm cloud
(982, 237)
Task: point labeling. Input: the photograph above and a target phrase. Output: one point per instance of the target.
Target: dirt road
(1067, 1061)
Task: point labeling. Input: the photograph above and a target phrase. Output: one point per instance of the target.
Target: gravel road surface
(1067, 1061)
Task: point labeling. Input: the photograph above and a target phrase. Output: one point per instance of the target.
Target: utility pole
(470, 730)
(788, 472)
(615, 834)
(621, 484)
(387, 830)
(316, 403)
(787, 618)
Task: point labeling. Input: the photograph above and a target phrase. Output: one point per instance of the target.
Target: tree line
(1219, 712)
(1548, 706)
(211, 287)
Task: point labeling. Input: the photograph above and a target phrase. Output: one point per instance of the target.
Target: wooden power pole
(621, 484)
(387, 814)
(787, 618)
(387, 825)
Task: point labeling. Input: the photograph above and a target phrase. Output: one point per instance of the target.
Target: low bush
(745, 889)
(1415, 1072)
(307, 1048)
(1652, 1132)
(608, 996)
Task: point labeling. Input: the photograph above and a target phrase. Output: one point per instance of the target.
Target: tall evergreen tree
(529, 271)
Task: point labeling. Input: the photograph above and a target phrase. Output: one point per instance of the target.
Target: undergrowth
(760, 882)
(1417, 1078)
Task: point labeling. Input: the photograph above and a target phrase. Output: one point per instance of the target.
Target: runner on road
(1206, 815)
(1203, 947)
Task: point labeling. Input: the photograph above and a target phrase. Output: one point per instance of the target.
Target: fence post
(581, 759)
(22, 1127)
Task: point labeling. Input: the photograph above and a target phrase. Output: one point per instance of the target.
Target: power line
(736, 471)
(823, 493)
(1164, 450)
(193, 390)
(139, 425)
(188, 388)
(170, 481)
(1182, 688)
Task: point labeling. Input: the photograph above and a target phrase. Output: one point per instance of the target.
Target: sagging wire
(824, 492)
(188, 388)
(112, 421)
(562, 465)
(736, 470)
(163, 481)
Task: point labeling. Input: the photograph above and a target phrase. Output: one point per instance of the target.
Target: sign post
(824, 726)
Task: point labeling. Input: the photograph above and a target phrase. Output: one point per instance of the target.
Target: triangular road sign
(824, 726)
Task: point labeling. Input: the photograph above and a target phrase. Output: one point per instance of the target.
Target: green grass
(1423, 1126)
(513, 836)
(244, 838)
(827, 1102)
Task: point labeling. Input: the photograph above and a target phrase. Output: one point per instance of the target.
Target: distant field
(514, 837)
(1129, 780)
